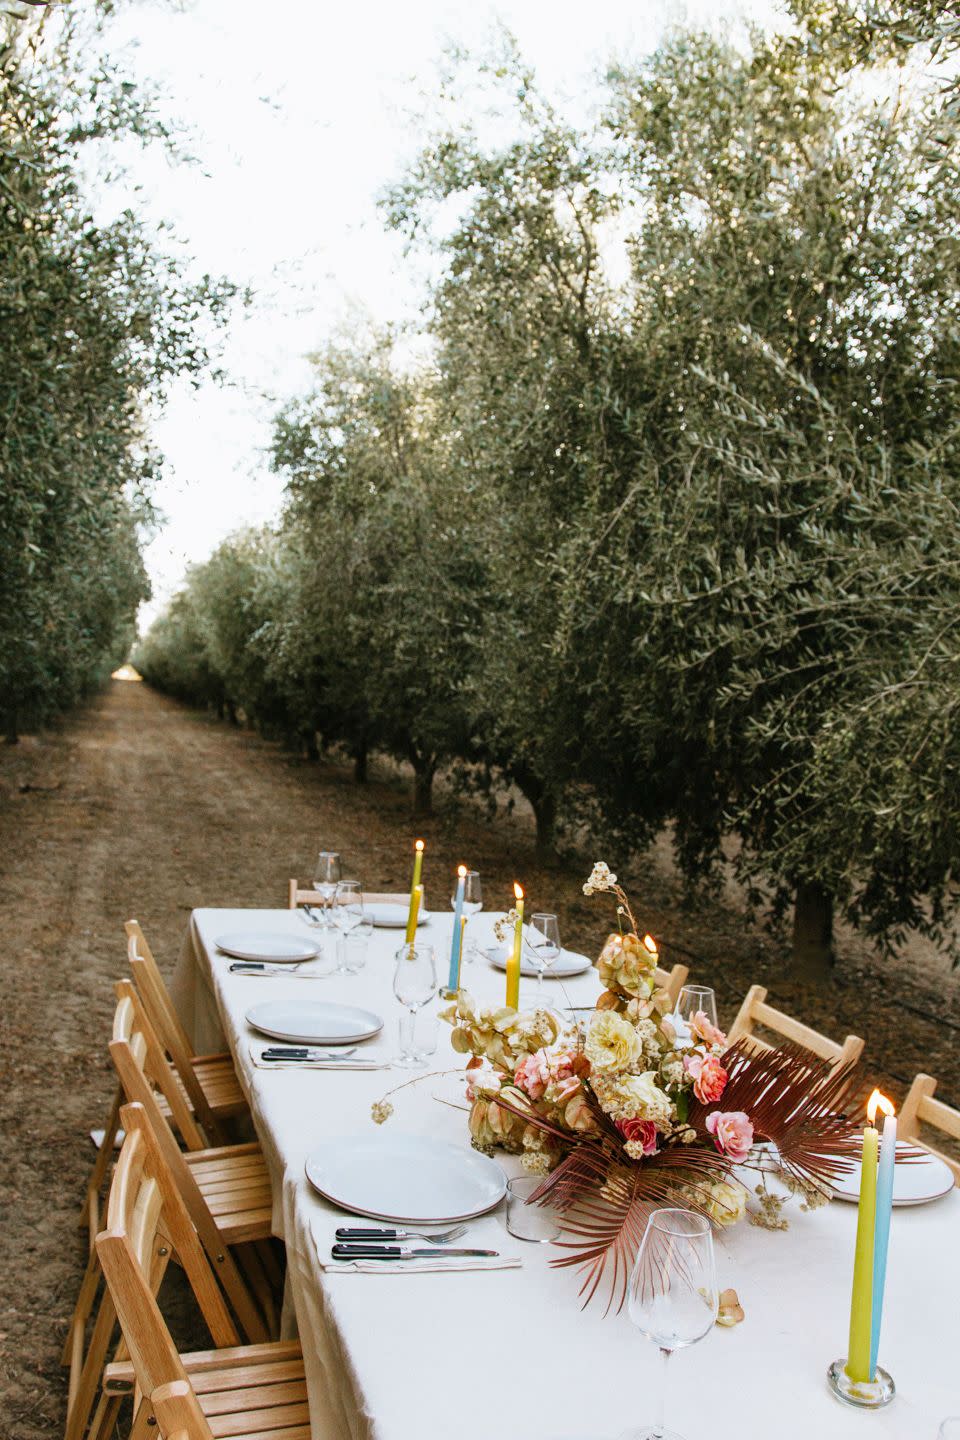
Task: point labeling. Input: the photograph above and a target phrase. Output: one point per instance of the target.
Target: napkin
(484, 1233)
(362, 1060)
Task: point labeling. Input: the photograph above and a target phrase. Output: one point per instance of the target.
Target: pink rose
(706, 1030)
(532, 1075)
(709, 1077)
(566, 1089)
(642, 1132)
(732, 1132)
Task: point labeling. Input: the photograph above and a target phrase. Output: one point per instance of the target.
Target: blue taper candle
(454, 976)
(881, 1239)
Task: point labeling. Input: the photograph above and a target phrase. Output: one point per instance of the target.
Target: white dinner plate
(567, 963)
(414, 1178)
(259, 945)
(393, 917)
(313, 1022)
(915, 1182)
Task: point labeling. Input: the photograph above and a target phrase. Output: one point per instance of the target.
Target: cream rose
(612, 1043)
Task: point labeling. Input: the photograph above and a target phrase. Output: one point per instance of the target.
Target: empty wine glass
(541, 942)
(414, 984)
(326, 878)
(696, 998)
(472, 894)
(348, 914)
(673, 1293)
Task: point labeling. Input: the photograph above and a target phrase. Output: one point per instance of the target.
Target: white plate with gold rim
(916, 1181)
(414, 1178)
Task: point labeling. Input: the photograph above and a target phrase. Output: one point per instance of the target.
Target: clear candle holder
(863, 1394)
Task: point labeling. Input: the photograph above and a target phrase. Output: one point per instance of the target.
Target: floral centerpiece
(630, 1109)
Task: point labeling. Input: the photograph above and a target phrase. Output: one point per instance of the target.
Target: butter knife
(402, 1252)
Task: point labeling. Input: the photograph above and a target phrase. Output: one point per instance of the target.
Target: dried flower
(729, 1311)
(380, 1111)
(601, 878)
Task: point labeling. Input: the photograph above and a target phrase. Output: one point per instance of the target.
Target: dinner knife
(403, 1252)
(366, 1235)
(305, 1052)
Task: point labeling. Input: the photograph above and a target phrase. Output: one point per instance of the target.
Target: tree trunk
(360, 757)
(813, 928)
(11, 726)
(231, 712)
(545, 812)
(310, 747)
(423, 773)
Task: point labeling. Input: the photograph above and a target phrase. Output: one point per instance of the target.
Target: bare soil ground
(138, 806)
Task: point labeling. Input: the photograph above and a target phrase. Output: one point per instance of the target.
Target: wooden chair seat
(241, 1392)
(218, 1081)
(235, 1184)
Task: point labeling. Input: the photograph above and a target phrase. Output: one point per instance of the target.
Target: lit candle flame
(462, 871)
(650, 945)
(419, 845)
(879, 1102)
(518, 890)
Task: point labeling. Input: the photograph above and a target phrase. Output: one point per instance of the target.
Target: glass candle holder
(536, 1223)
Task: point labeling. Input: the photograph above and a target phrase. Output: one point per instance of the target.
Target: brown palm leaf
(801, 1103)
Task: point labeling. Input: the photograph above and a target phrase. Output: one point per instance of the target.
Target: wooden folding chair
(226, 1188)
(672, 981)
(209, 1080)
(920, 1108)
(756, 1011)
(90, 1411)
(252, 1390)
(296, 896)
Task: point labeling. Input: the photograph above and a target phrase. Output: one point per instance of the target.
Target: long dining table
(511, 1352)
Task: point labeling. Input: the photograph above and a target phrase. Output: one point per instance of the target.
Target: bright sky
(299, 114)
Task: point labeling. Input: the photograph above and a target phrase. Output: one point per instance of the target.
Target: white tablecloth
(509, 1354)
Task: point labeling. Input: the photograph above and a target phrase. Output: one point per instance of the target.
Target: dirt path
(147, 809)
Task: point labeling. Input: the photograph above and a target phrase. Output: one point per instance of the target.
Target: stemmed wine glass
(347, 913)
(673, 1295)
(472, 905)
(414, 983)
(541, 941)
(326, 878)
(691, 1001)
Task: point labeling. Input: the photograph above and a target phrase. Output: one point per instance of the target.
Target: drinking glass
(537, 1223)
(414, 983)
(472, 894)
(950, 1428)
(348, 914)
(673, 1293)
(326, 878)
(541, 941)
(693, 999)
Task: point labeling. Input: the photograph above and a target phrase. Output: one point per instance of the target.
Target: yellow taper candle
(861, 1301)
(513, 964)
(415, 899)
(417, 867)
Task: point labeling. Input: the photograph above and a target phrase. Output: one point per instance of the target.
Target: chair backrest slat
(672, 980)
(920, 1108)
(136, 1089)
(297, 896)
(755, 1011)
(140, 1058)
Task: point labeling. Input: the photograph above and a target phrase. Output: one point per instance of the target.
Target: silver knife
(402, 1252)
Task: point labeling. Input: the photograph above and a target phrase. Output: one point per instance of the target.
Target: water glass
(536, 1223)
(950, 1428)
(673, 1295)
(418, 1034)
(352, 951)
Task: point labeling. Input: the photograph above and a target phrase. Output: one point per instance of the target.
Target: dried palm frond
(799, 1102)
(795, 1100)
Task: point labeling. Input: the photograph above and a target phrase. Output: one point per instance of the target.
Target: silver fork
(440, 1237)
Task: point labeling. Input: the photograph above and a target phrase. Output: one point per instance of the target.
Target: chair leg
(101, 1166)
(248, 1258)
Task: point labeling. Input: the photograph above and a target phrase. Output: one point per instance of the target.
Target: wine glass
(673, 1295)
(541, 941)
(472, 894)
(414, 983)
(347, 913)
(326, 878)
(693, 1000)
